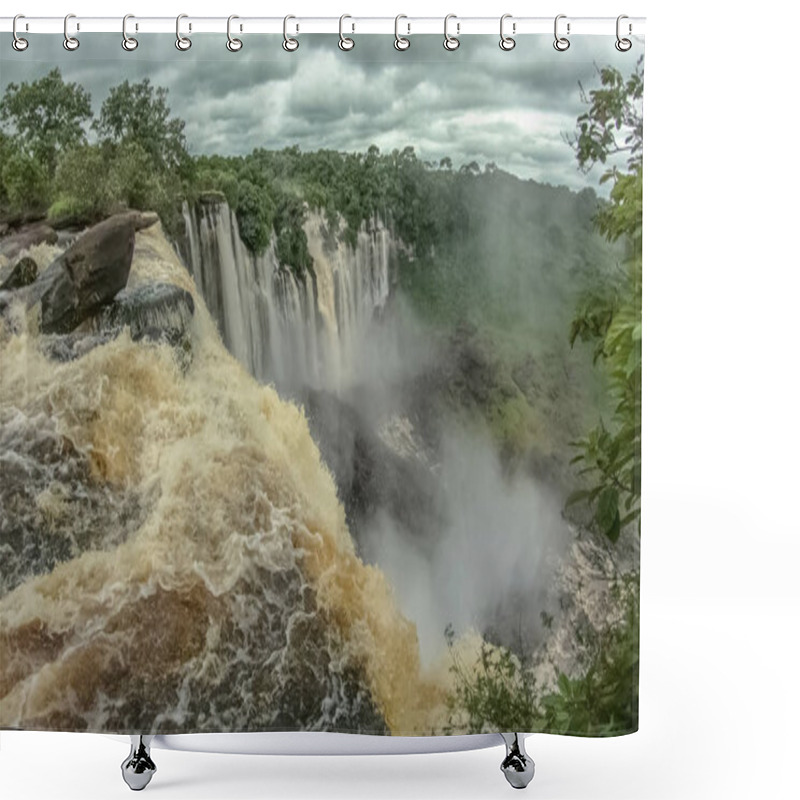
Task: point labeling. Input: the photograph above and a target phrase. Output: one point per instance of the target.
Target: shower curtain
(320, 400)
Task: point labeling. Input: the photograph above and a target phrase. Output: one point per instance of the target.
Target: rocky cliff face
(294, 330)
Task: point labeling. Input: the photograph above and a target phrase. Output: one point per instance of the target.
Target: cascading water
(195, 570)
(294, 330)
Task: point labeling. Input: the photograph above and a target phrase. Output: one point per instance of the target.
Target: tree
(611, 318)
(138, 112)
(46, 117)
(25, 183)
(603, 698)
(254, 215)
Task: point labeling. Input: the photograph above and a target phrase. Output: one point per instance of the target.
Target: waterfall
(288, 329)
(197, 573)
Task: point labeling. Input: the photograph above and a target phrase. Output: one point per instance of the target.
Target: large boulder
(142, 219)
(155, 312)
(150, 307)
(85, 277)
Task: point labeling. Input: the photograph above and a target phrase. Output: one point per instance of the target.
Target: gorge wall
(291, 329)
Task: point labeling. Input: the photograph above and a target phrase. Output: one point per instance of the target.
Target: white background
(720, 573)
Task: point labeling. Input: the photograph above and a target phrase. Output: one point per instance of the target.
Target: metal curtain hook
(345, 43)
(70, 42)
(507, 42)
(129, 43)
(182, 42)
(623, 45)
(400, 42)
(233, 44)
(451, 42)
(561, 43)
(289, 44)
(18, 43)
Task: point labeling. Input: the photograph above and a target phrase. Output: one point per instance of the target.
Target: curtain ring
(561, 43)
(400, 42)
(345, 43)
(507, 42)
(181, 42)
(289, 44)
(623, 45)
(451, 42)
(233, 44)
(70, 42)
(128, 42)
(18, 43)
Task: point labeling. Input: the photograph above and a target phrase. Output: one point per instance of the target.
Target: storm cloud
(477, 103)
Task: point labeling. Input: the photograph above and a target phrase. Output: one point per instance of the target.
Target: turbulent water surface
(194, 568)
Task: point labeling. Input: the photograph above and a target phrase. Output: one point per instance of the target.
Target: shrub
(25, 183)
(292, 242)
(82, 185)
(254, 215)
(71, 209)
(500, 692)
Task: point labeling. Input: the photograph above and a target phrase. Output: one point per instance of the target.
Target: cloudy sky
(476, 103)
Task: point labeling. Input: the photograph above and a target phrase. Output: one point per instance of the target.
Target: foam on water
(230, 596)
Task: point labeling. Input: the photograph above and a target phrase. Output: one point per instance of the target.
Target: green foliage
(254, 214)
(83, 191)
(8, 150)
(292, 243)
(212, 179)
(494, 694)
(71, 210)
(25, 183)
(138, 112)
(140, 162)
(46, 117)
(615, 110)
(93, 181)
(500, 691)
(610, 316)
(604, 699)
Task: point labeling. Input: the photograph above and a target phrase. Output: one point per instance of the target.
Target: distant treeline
(138, 158)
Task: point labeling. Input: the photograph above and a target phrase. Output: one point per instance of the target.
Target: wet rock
(13, 245)
(212, 197)
(371, 477)
(69, 346)
(23, 273)
(52, 509)
(85, 277)
(160, 309)
(157, 312)
(142, 219)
